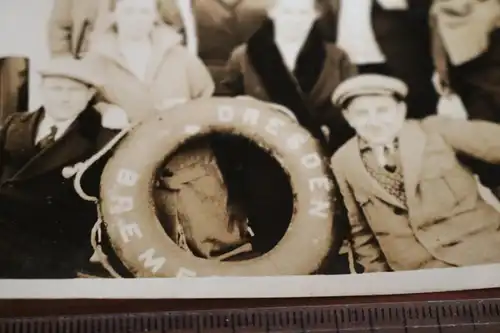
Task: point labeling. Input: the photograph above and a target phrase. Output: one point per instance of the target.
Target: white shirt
(47, 122)
(355, 32)
(137, 57)
(289, 53)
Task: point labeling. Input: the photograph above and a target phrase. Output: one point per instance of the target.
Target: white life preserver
(135, 232)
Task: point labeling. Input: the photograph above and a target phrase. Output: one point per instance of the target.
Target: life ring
(135, 232)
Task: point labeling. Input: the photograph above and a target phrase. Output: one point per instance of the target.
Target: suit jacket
(45, 226)
(445, 222)
(72, 21)
(404, 39)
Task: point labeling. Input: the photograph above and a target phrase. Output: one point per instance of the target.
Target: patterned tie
(48, 139)
(390, 160)
(390, 175)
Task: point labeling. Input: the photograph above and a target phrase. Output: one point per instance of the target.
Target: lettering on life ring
(134, 229)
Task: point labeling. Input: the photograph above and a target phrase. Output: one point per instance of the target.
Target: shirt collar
(49, 121)
(364, 146)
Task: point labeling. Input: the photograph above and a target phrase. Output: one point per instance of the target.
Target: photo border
(369, 284)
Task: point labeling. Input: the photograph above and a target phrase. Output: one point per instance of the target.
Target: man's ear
(403, 108)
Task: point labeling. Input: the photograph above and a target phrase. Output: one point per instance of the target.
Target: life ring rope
(82, 167)
(96, 233)
(99, 255)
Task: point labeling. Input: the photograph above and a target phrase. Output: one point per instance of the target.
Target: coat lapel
(22, 134)
(72, 146)
(164, 38)
(329, 21)
(325, 84)
(412, 145)
(356, 169)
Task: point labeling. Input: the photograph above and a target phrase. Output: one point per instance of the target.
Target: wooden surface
(18, 308)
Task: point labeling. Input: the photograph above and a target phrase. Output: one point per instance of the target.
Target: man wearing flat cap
(44, 225)
(411, 203)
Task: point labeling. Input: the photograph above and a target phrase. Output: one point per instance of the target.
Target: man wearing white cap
(44, 225)
(411, 203)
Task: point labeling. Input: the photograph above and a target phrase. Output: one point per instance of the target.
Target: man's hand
(440, 85)
(451, 106)
(115, 117)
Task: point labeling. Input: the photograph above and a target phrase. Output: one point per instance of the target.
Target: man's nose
(65, 96)
(372, 116)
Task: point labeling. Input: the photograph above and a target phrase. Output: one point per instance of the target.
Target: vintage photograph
(248, 148)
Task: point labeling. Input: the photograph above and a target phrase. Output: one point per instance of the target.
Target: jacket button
(399, 211)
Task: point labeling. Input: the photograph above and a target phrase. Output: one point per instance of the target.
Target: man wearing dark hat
(44, 225)
(411, 203)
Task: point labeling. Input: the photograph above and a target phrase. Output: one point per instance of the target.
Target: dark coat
(257, 69)
(45, 226)
(404, 38)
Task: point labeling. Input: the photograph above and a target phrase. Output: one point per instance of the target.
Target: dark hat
(368, 84)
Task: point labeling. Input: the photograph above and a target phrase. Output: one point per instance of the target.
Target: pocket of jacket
(463, 187)
(449, 193)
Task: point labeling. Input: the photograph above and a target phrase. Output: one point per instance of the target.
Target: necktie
(384, 169)
(48, 139)
(390, 161)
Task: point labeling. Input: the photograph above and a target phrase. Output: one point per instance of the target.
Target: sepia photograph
(248, 148)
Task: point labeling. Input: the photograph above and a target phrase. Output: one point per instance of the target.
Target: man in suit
(389, 37)
(411, 203)
(72, 23)
(44, 225)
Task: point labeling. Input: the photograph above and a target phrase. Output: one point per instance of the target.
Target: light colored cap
(68, 67)
(368, 84)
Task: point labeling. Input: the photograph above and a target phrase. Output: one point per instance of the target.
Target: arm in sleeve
(200, 80)
(330, 116)
(347, 68)
(365, 246)
(60, 26)
(475, 138)
(233, 79)
(438, 51)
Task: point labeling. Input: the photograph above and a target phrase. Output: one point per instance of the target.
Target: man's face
(294, 18)
(64, 98)
(377, 119)
(135, 18)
